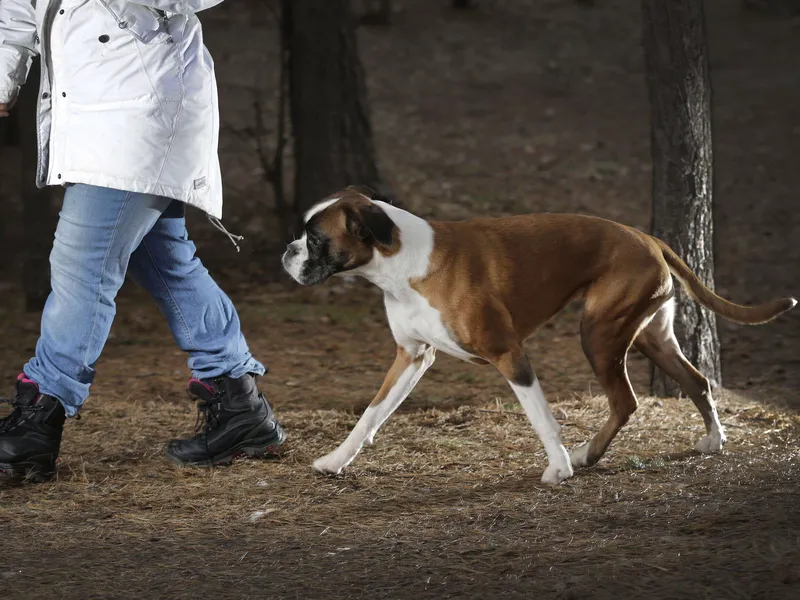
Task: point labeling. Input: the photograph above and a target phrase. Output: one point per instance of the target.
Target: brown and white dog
(476, 289)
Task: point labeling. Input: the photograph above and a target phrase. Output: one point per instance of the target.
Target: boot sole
(247, 448)
(31, 470)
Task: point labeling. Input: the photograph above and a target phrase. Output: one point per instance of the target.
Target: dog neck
(393, 273)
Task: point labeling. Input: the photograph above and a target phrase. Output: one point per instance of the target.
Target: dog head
(341, 234)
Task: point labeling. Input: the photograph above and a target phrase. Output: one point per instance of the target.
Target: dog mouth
(314, 274)
(293, 264)
(311, 262)
(305, 271)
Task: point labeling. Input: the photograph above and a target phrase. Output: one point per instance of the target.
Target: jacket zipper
(46, 84)
(161, 15)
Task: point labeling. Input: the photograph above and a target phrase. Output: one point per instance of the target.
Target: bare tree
(333, 144)
(679, 86)
(273, 159)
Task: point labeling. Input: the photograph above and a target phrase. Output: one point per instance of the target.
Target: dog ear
(370, 222)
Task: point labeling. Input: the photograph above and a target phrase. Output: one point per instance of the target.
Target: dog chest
(414, 321)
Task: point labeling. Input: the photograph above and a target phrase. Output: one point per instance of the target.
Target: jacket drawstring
(233, 238)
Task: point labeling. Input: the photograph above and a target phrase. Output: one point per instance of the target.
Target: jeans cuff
(251, 365)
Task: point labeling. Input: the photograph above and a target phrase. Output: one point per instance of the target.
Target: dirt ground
(517, 106)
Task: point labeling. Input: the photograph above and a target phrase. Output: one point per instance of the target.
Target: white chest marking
(414, 320)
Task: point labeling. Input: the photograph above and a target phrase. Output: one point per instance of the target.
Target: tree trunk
(333, 144)
(679, 86)
(38, 205)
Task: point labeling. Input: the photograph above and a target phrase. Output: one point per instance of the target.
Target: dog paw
(555, 474)
(329, 465)
(578, 456)
(711, 443)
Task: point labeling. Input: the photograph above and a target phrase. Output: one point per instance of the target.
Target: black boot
(233, 419)
(30, 437)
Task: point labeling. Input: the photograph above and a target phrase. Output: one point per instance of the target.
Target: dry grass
(447, 504)
(519, 106)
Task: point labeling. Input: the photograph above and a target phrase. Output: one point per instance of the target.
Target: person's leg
(98, 229)
(202, 318)
(205, 324)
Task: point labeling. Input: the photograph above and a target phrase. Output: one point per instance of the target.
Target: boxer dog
(477, 289)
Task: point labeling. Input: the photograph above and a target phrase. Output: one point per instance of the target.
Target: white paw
(329, 465)
(578, 456)
(555, 474)
(713, 442)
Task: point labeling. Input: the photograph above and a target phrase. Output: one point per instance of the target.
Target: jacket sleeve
(18, 45)
(181, 7)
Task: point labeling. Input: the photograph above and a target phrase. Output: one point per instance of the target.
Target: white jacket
(128, 97)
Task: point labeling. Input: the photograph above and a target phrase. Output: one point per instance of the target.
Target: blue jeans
(101, 235)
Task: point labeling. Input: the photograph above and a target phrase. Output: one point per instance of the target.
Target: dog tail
(749, 315)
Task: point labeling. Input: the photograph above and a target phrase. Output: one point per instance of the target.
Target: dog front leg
(404, 374)
(547, 428)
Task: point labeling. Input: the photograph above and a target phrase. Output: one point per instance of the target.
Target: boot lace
(19, 414)
(207, 415)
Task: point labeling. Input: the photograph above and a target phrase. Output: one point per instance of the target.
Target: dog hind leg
(658, 343)
(614, 315)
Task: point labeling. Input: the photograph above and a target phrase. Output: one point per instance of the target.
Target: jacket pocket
(148, 25)
(125, 140)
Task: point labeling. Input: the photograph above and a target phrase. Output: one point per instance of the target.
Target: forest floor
(516, 106)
